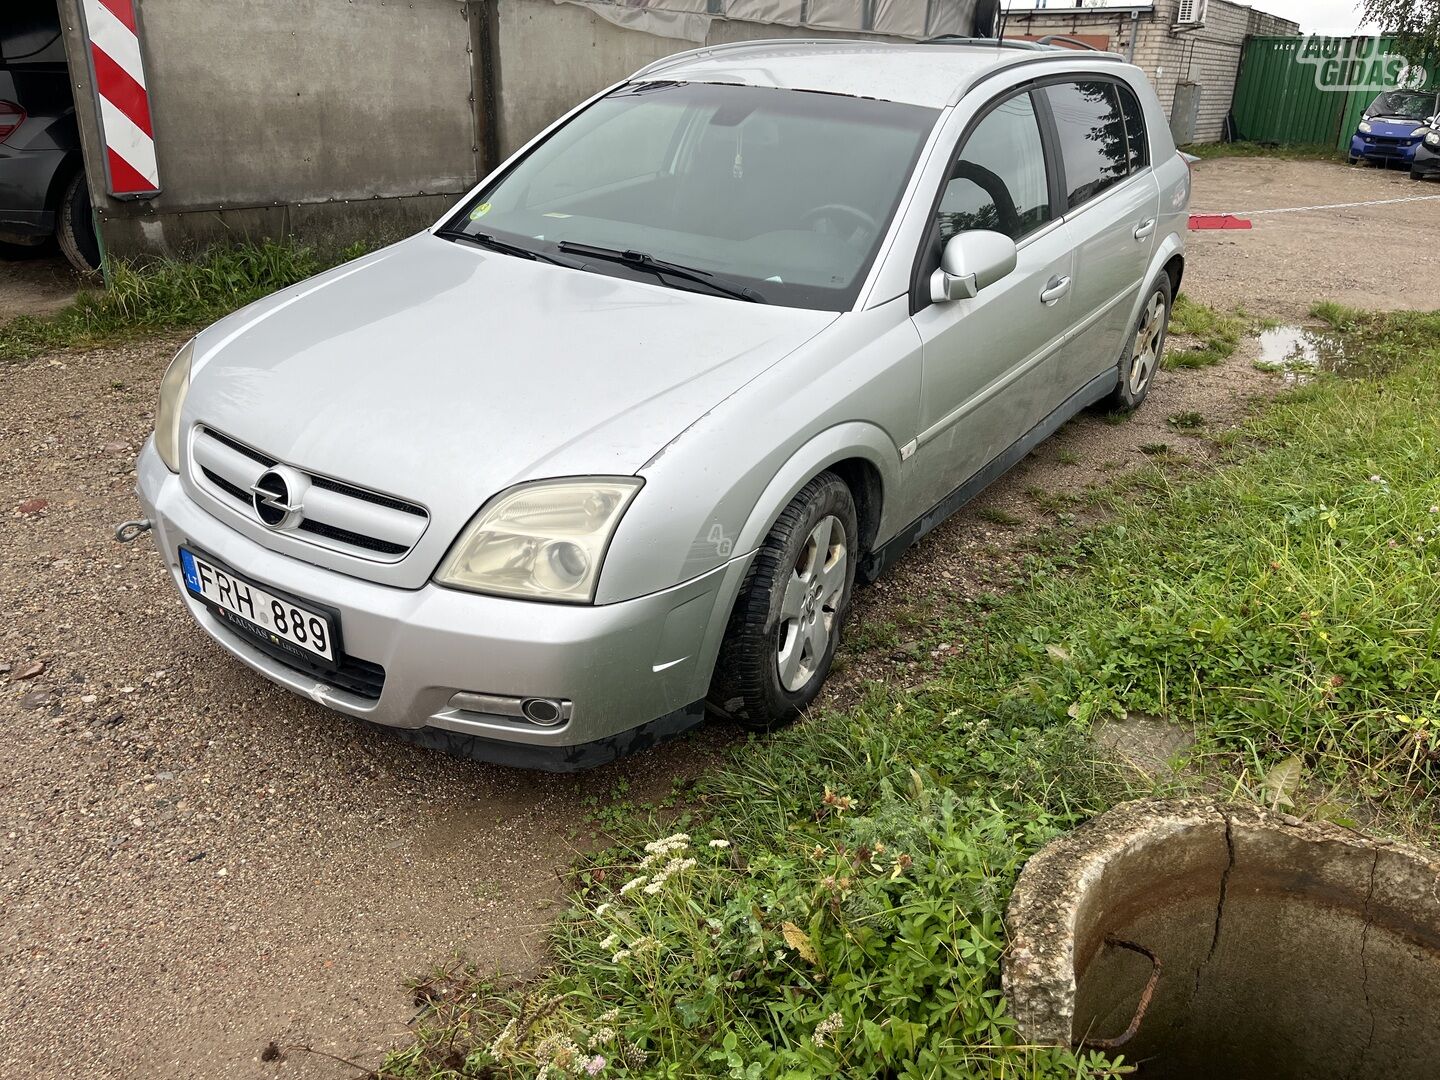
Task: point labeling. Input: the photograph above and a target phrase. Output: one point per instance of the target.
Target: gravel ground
(194, 862)
(1370, 257)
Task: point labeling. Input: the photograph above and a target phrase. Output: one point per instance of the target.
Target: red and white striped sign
(114, 38)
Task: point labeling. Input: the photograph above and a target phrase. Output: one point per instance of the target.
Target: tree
(1415, 24)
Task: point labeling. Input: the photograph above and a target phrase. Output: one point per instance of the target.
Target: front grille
(345, 536)
(336, 515)
(354, 676)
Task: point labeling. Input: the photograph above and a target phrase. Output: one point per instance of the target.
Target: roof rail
(727, 46)
(993, 43)
(1068, 40)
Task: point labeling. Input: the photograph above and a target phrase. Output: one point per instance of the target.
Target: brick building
(1191, 49)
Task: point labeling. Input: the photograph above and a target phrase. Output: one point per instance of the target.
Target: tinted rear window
(1136, 134)
(1093, 142)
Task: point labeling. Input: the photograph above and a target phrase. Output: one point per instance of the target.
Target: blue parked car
(1394, 126)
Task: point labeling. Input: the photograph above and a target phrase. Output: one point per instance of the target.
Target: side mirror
(973, 261)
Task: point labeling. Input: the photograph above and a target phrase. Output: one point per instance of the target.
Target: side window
(1092, 137)
(1135, 132)
(999, 182)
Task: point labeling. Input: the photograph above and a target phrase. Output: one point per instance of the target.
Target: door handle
(1055, 291)
(1145, 230)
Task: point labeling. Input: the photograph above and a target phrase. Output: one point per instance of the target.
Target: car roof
(932, 74)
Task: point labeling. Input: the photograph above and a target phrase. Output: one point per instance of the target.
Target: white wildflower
(828, 1028)
(678, 842)
(602, 1037)
(610, 942)
(505, 1041)
(654, 886)
(720, 844)
(612, 1016)
(601, 910)
(632, 884)
(621, 956)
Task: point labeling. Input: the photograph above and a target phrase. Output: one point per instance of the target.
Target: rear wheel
(75, 227)
(1140, 361)
(786, 624)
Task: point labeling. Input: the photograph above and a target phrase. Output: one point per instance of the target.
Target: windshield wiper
(494, 243)
(643, 261)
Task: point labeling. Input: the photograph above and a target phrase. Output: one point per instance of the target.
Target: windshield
(784, 193)
(1405, 104)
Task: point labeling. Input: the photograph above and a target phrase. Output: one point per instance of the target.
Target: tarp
(689, 20)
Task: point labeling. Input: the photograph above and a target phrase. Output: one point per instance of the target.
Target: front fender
(845, 442)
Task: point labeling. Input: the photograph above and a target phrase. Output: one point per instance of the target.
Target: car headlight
(1433, 140)
(173, 388)
(1365, 127)
(1419, 132)
(544, 540)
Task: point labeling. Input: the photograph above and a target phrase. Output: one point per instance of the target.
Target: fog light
(542, 711)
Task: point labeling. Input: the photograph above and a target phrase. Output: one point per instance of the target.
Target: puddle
(1300, 351)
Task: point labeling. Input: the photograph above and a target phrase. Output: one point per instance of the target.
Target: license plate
(276, 619)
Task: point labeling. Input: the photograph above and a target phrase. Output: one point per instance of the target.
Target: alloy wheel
(810, 610)
(1146, 357)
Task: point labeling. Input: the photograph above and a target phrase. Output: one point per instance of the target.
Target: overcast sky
(1317, 16)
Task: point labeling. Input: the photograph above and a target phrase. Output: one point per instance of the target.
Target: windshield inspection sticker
(480, 211)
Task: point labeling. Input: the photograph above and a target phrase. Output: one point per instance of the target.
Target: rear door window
(1093, 143)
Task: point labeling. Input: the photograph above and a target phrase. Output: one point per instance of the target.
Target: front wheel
(786, 624)
(1140, 361)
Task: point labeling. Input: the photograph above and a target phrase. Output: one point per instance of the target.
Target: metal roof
(932, 74)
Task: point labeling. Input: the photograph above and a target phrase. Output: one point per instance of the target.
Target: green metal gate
(1295, 90)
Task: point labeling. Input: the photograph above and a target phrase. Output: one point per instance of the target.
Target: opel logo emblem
(278, 497)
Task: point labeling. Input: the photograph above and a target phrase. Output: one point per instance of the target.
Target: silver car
(609, 446)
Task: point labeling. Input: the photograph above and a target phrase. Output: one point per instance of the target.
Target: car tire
(1416, 174)
(986, 21)
(75, 226)
(786, 624)
(1144, 350)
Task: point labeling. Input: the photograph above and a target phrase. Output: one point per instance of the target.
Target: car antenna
(1004, 18)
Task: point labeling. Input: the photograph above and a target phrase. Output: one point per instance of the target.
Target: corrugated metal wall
(1280, 100)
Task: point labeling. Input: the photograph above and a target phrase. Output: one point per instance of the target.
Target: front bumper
(1427, 162)
(642, 664)
(1382, 148)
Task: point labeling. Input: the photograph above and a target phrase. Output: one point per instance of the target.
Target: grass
(1212, 336)
(1298, 152)
(830, 902)
(168, 294)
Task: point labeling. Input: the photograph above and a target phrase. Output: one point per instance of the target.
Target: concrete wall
(553, 56)
(327, 118)
(1208, 55)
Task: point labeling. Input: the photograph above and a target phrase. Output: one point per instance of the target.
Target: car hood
(1395, 129)
(443, 373)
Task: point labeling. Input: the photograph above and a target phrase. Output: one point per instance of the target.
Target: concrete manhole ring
(1272, 948)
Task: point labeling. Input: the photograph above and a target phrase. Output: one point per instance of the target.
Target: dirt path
(34, 283)
(194, 862)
